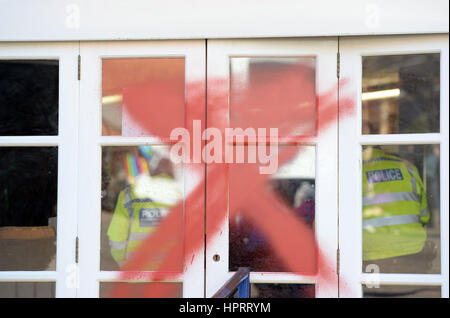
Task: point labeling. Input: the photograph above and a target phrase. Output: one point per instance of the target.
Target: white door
(280, 221)
(272, 206)
(132, 95)
(38, 169)
(399, 88)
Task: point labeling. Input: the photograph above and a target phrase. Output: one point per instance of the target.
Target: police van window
(29, 97)
(140, 187)
(401, 210)
(137, 92)
(400, 94)
(28, 179)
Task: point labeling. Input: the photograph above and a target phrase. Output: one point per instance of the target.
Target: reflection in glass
(141, 290)
(273, 92)
(138, 93)
(282, 291)
(294, 186)
(29, 97)
(27, 290)
(401, 221)
(402, 292)
(401, 94)
(140, 186)
(28, 179)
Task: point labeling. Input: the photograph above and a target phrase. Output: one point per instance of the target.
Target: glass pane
(282, 291)
(28, 179)
(401, 93)
(276, 92)
(138, 93)
(141, 290)
(402, 292)
(293, 185)
(140, 188)
(27, 290)
(28, 97)
(401, 220)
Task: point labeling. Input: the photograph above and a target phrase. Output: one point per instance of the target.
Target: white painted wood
(404, 279)
(38, 141)
(445, 168)
(131, 141)
(281, 278)
(182, 19)
(28, 276)
(111, 276)
(67, 142)
(351, 141)
(401, 139)
(90, 150)
(278, 278)
(325, 51)
(79, 169)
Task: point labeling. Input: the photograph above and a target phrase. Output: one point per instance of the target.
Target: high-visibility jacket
(136, 217)
(395, 206)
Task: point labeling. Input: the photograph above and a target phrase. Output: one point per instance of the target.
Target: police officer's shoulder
(409, 165)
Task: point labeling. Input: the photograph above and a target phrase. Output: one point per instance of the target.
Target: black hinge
(79, 67)
(338, 71)
(76, 250)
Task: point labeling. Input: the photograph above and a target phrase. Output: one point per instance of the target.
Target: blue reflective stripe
(391, 220)
(130, 203)
(414, 184)
(413, 180)
(138, 236)
(390, 197)
(380, 159)
(424, 212)
(118, 245)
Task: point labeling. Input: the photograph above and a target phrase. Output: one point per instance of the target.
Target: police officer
(395, 211)
(140, 208)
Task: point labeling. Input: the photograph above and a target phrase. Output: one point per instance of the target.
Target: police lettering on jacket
(384, 175)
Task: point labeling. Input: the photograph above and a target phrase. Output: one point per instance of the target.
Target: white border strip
(401, 139)
(31, 141)
(114, 276)
(28, 276)
(403, 279)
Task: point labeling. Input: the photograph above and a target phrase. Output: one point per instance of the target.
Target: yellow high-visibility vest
(135, 218)
(395, 206)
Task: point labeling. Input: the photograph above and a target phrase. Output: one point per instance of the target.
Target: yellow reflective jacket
(137, 216)
(394, 206)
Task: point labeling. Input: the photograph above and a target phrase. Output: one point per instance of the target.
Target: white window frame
(91, 141)
(66, 53)
(326, 207)
(350, 158)
(338, 156)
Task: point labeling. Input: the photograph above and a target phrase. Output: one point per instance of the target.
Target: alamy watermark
(261, 147)
(372, 17)
(72, 16)
(73, 276)
(373, 279)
